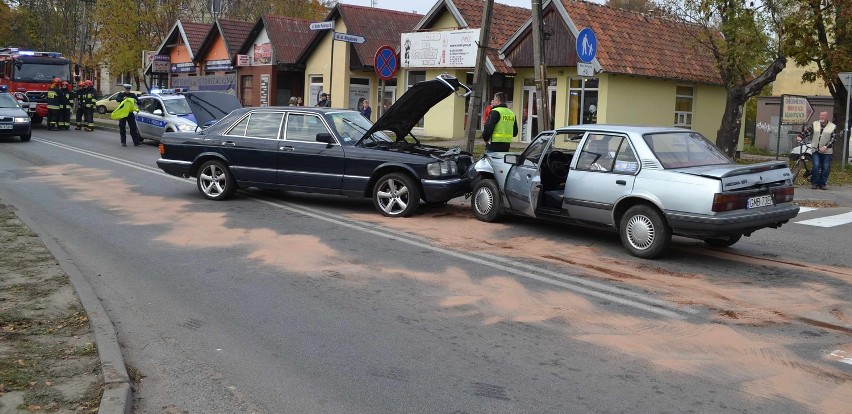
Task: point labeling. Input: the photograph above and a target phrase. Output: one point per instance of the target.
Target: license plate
(760, 201)
(5, 127)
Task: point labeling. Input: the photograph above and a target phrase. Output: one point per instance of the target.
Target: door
(305, 163)
(529, 118)
(145, 116)
(251, 147)
(523, 182)
(602, 173)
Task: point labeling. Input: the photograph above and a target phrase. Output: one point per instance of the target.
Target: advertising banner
(264, 90)
(218, 65)
(160, 64)
(795, 109)
(263, 54)
(242, 60)
(450, 49)
(218, 83)
(186, 67)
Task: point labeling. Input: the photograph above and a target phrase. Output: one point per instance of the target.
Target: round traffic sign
(386, 63)
(587, 45)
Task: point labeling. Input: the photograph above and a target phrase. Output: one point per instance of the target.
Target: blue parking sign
(587, 45)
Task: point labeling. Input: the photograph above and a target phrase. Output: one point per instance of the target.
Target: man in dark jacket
(66, 97)
(324, 102)
(129, 120)
(500, 127)
(53, 103)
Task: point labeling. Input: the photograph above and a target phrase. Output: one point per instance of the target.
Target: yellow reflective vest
(125, 108)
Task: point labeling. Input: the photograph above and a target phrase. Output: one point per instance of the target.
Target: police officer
(130, 119)
(66, 97)
(500, 127)
(88, 101)
(53, 103)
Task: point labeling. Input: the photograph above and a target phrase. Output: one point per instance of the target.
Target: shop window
(684, 96)
(583, 101)
(315, 90)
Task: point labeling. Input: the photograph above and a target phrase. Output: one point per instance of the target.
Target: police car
(164, 110)
(176, 110)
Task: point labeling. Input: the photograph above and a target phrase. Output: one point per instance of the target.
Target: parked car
(13, 119)
(647, 183)
(109, 103)
(325, 150)
(170, 111)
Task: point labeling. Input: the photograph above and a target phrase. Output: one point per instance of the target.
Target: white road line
(828, 221)
(616, 295)
(806, 209)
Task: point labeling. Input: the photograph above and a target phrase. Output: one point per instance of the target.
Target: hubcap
(484, 201)
(213, 180)
(640, 232)
(392, 197)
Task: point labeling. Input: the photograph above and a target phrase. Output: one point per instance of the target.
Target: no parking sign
(386, 63)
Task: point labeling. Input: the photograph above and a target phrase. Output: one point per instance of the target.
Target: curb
(117, 394)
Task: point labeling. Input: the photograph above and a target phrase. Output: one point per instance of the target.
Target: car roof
(638, 129)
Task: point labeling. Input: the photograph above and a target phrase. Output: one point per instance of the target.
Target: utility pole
(541, 84)
(478, 85)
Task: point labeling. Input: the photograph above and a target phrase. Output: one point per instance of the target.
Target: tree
(822, 42)
(641, 6)
(746, 43)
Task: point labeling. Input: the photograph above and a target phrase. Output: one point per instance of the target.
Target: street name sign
(322, 25)
(343, 37)
(585, 69)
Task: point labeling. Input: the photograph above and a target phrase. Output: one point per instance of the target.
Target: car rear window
(684, 149)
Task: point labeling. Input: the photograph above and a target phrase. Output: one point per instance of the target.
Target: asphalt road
(284, 302)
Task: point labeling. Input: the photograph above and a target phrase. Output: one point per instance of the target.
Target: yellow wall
(789, 81)
(446, 21)
(319, 63)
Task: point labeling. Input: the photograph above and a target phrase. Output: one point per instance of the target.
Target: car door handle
(286, 148)
(229, 143)
(621, 182)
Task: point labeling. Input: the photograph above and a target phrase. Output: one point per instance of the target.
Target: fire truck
(28, 74)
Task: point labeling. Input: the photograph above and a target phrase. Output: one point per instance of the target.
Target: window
(264, 125)
(532, 155)
(683, 106)
(304, 127)
(247, 88)
(583, 101)
(415, 76)
(315, 89)
(600, 152)
(240, 128)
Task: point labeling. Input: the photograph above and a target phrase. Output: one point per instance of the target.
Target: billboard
(448, 49)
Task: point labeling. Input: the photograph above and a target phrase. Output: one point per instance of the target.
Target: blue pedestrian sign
(386, 63)
(587, 45)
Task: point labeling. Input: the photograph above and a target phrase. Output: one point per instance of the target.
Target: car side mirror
(511, 159)
(158, 112)
(325, 137)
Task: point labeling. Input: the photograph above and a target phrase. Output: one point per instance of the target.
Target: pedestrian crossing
(827, 221)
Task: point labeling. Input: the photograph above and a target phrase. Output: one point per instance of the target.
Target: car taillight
(162, 148)
(728, 202)
(783, 195)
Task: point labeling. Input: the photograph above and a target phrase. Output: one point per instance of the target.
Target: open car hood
(209, 106)
(404, 114)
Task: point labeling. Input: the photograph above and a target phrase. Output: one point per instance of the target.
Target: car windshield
(351, 126)
(177, 106)
(684, 149)
(8, 101)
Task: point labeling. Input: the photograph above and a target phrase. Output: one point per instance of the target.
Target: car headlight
(22, 120)
(185, 127)
(437, 169)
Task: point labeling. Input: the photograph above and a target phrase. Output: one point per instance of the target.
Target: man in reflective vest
(823, 134)
(53, 103)
(500, 127)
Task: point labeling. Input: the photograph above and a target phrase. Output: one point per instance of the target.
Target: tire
(721, 242)
(26, 137)
(486, 202)
(215, 180)
(644, 232)
(35, 120)
(102, 109)
(396, 195)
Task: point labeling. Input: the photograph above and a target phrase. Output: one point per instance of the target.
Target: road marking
(806, 209)
(829, 221)
(590, 288)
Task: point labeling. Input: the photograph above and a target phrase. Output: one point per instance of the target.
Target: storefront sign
(218, 65)
(219, 83)
(242, 60)
(264, 90)
(795, 109)
(186, 67)
(160, 64)
(450, 49)
(263, 54)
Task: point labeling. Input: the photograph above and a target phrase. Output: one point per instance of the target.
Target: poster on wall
(316, 89)
(263, 54)
(356, 93)
(450, 49)
(185, 67)
(264, 90)
(220, 83)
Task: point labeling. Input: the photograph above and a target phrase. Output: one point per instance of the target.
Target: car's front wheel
(215, 180)
(26, 137)
(486, 202)
(101, 109)
(396, 195)
(644, 232)
(723, 241)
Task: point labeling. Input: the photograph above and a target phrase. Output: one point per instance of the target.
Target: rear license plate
(760, 201)
(5, 127)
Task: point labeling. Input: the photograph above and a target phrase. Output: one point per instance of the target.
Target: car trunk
(739, 177)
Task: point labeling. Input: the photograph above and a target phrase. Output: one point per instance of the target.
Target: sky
(421, 6)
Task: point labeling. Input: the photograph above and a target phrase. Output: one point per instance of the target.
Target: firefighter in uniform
(500, 127)
(53, 102)
(88, 103)
(78, 106)
(66, 97)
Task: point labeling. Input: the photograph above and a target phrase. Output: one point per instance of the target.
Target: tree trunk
(729, 131)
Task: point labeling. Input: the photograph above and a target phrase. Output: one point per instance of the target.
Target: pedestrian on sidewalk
(126, 116)
(500, 127)
(822, 133)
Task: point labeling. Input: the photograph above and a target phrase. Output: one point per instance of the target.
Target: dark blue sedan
(326, 150)
(14, 120)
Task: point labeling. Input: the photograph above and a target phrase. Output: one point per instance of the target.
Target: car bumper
(731, 223)
(174, 167)
(17, 129)
(438, 191)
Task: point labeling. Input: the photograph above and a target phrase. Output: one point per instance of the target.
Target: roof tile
(234, 33)
(195, 34)
(505, 21)
(379, 26)
(289, 37)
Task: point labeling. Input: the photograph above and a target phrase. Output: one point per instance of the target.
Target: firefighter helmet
(80, 84)
(57, 80)
(88, 82)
